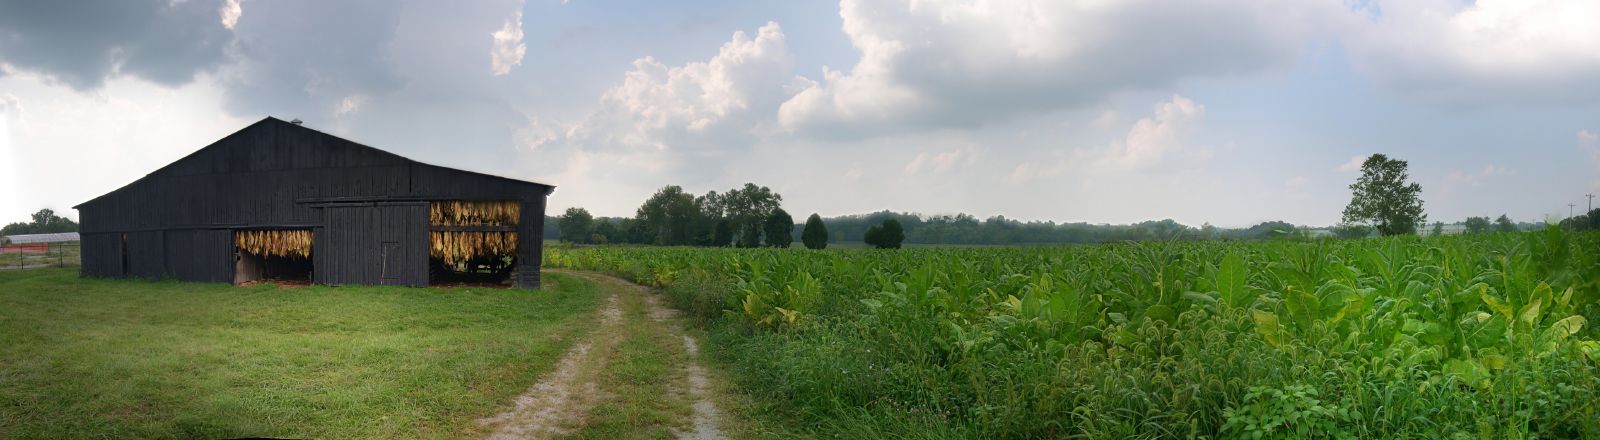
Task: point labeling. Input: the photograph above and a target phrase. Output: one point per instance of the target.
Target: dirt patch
(705, 412)
(539, 411)
(658, 312)
(561, 400)
(280, 283)
(704, 421)
(612, 314)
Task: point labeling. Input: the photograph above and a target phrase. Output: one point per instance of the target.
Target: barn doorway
(278, 256)
(472, 243)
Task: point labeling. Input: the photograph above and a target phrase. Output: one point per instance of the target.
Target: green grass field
(83, 358)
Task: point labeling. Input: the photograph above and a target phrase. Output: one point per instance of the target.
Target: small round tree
(576, 225)
(815, 235)
(889, 235)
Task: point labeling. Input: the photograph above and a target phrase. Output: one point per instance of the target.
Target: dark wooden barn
(279, 200)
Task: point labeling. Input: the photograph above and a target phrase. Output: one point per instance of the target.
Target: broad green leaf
(1567, 326)
(1303, 308)
(1494, 303)
(1267, 325)
(1591, 349)
(1493, 361)
(1530, 312)
(1542, 294)
(1469, 371)
(1231, 281)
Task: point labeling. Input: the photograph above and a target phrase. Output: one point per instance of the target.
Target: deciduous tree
(1382, 197)
(576, 225)
(1477, 225)
(1504, 224)
(779, 228)
(889, 235)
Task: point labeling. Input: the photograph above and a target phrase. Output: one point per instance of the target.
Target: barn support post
(530, 242)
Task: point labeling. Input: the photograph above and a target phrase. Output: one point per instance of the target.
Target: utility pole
(1591, 203)
(1569, 214)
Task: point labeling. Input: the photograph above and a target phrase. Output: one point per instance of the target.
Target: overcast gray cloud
(941, 64)
(82, 43)
(1482, 53)
(305, 58)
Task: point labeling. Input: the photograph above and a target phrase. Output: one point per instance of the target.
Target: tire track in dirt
(559, 402)
(704, 419)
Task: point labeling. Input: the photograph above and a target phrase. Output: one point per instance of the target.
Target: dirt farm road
(637, 375)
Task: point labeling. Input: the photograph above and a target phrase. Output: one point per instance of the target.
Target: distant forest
(44, 222)
(752, 216)
(969, 230)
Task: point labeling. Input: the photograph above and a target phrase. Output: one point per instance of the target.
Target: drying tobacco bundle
(275, 243)
(471, 213)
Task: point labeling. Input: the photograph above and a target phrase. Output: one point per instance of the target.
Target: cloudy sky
(1229, 112)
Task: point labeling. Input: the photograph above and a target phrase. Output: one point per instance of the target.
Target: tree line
(753, 216)
(1383, 202)
(750, 216)
(44, 222)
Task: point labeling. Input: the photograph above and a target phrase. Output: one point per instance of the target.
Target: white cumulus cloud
(350, 104)
(1155, 140)
(508, 46)
(231, 11)
(696, 105)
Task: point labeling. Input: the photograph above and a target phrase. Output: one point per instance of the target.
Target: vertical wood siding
(373, 245)
(273, 174)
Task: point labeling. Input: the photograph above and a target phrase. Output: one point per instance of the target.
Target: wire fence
(40, 255)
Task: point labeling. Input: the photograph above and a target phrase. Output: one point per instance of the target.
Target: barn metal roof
(42, 238)
(548, 187)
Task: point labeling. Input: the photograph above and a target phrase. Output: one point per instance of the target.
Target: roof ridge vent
(296, 121)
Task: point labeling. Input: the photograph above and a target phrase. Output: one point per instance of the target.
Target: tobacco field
(1480, 336)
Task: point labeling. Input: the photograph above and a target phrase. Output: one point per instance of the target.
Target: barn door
(385, 244)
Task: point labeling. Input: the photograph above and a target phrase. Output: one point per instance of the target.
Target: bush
(700, 294)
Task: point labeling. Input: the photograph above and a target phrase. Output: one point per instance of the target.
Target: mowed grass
(87, 358)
